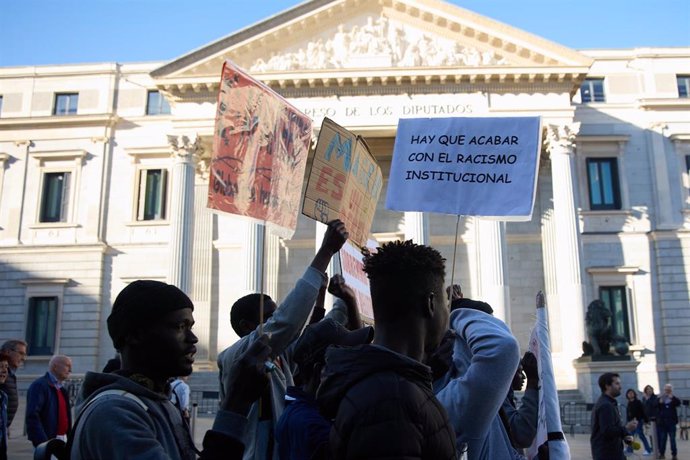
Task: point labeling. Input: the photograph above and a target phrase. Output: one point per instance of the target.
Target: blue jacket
(485, 357)
(301, 430)
(3, 425)
(42, 410)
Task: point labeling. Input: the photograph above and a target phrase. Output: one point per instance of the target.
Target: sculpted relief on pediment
(376, 42)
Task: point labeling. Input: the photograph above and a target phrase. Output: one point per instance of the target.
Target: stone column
(490, 253)
(417, 227)
(567, 246)
(184, 152)
(254, 255)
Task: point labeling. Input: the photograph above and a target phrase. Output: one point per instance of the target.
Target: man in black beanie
(128, 414)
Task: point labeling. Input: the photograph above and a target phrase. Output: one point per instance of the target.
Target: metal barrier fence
(576, 417)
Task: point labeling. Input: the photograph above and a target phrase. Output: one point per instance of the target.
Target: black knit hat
(141, 303)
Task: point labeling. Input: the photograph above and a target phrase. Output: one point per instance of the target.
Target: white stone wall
(103, 247)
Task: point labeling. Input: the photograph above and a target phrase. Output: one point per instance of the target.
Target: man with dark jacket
(16, 349)
(48, 412)
(380, 395)
(667, 420)
(608, 433)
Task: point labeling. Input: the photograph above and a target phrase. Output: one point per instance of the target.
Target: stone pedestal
(589, 369)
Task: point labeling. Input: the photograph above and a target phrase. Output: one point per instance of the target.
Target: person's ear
(429, 304)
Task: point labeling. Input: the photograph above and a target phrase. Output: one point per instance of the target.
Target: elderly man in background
(16, 350)
(48, 413)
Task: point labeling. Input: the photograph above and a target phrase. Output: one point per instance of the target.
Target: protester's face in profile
(169, 344)
(615, 387)
(4, 369)
(518, 379)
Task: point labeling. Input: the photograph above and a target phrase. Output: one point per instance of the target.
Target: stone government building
(104, 177)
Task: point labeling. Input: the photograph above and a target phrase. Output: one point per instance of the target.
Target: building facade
(104, 178)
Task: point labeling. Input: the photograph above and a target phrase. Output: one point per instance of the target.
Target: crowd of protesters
(435, 378)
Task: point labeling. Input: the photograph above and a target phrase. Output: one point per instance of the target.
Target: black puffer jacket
(383, 407)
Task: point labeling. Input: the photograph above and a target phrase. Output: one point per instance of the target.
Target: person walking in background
(635, 411)
(48, 412)
(179, 396)
(608, 433)
(16, 350)
(4, 369)
(651, 410)
(667, 420)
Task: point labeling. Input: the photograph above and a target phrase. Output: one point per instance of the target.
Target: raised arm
(475, 396)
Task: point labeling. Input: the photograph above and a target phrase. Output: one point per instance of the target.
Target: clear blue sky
(34, 32)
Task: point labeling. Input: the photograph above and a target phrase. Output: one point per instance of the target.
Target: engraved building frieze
(377, 43)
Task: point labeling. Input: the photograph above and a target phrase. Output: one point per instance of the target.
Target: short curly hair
(399, 272)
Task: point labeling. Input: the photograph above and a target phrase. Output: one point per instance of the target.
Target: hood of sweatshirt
(95, 382)
(347, 366)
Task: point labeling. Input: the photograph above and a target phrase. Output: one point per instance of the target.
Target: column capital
(658, 127)
(561, 138)
(185, 148)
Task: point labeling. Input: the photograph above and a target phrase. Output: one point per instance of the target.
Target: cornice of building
(59, 121)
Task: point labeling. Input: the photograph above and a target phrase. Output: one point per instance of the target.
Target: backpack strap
(88, 406)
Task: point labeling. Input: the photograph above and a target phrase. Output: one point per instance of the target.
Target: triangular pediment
(393, 38)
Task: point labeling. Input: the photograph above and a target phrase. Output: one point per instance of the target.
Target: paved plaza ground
(20, 448)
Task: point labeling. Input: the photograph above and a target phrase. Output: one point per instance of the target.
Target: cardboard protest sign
(344, 182)
(466, 166)
(352, 266)
(260, 149)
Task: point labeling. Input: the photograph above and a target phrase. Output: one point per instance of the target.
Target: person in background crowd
(127, 414)
(608, 434)
(48, 410)
(4, 370)
(458, 300)
(380, 395)
(484, 360)
(179, 396)
(283, 325)
(302, 432)
(651, 403)
(635, 411)
(667, 420)
(16, 349)
(521, 424)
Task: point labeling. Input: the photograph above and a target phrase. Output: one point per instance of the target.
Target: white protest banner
(352, 267)
(466, 166)
(549, 428)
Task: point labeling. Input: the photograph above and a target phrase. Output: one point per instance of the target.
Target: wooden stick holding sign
(344, 182)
